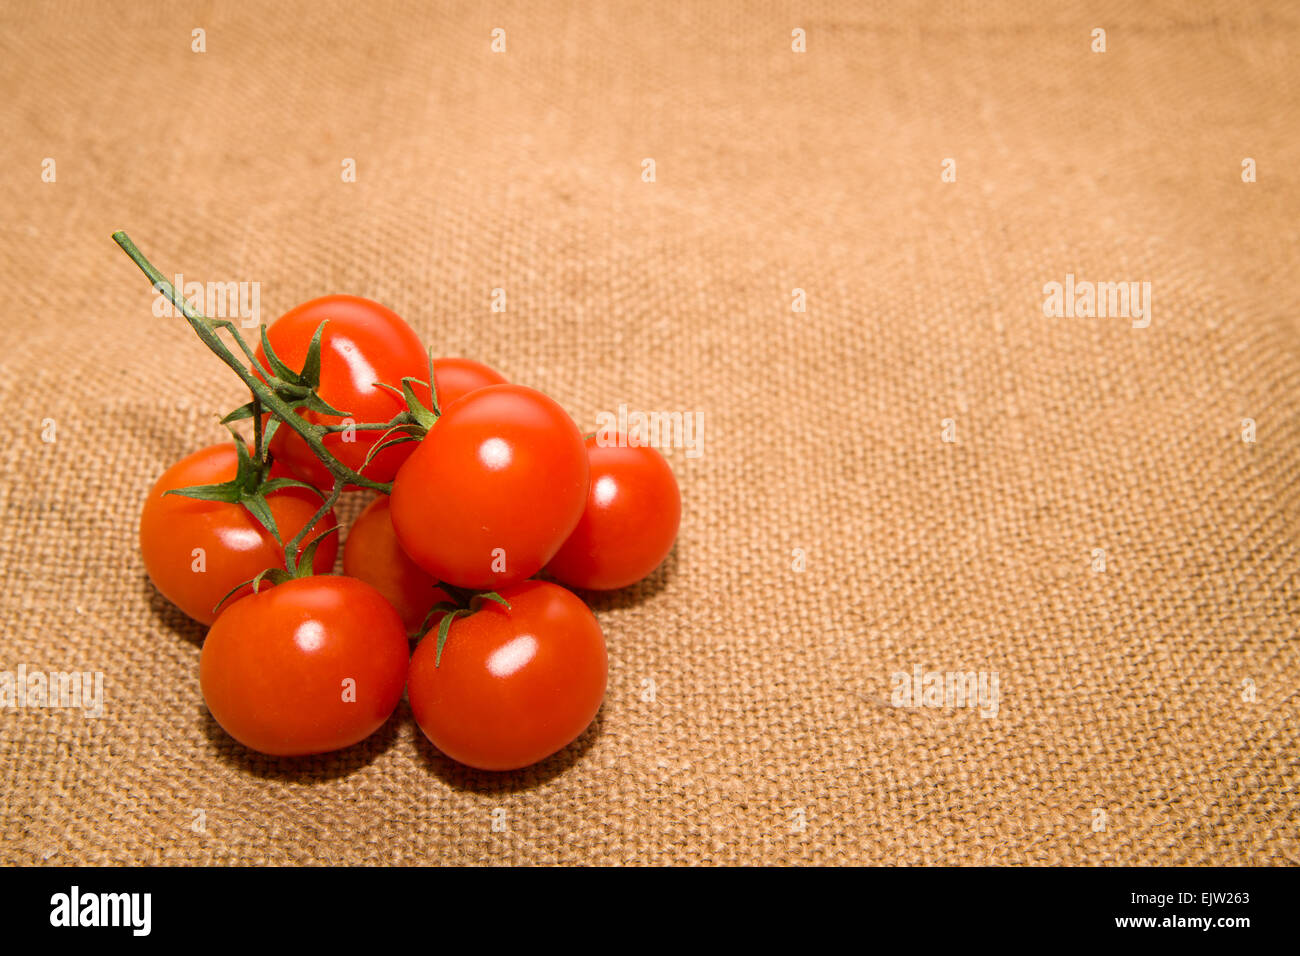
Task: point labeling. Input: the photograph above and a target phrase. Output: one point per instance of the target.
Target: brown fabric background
(1120, 691)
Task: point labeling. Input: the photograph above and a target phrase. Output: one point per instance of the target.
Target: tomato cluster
(489, 484)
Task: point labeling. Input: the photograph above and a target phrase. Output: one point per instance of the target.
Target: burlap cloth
(1126, 731)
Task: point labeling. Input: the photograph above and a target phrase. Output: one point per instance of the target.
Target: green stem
(291, 549)
(258, 450)
(207, 332)
(367, 426)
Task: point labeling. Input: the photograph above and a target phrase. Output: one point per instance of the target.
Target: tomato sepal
(400, 422)
(275, 484)
(302, 569)
(420, 414)
(242, 413)
(470, 603)
(226, 491)
(278, 369)
(277, 576)
(303, 562)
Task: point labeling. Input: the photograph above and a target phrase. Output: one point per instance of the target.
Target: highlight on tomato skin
(493, 489)
(371, 554)
(364, 343)
(630, 521)
(308, 666)
(513, 686)
(195, 552)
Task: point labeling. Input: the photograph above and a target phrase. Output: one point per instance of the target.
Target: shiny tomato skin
(630, 522)
(371, 554)
(457, 377)
(364, 343)
(275, 666)
(493, 490)
(514, 686)
(235, 547)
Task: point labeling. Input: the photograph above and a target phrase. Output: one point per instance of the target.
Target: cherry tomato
(307, 666)
(493, 490)
(364, 343)
(196, 551)
(514, 686)
(457, 377)
(630, 523)
(372, 554)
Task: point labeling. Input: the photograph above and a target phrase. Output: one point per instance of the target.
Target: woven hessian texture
(1147, 712)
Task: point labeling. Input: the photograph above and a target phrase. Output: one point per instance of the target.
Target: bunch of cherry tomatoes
(484, 485)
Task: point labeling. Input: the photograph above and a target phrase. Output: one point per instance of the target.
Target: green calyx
(413, 423)
(301, 568)
(466, 603)
(250, 486)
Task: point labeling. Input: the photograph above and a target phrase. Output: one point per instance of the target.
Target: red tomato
(364, 343)
(235, 547)
(457, 377)
(514, 686)
(307, 666)
(493, 490)
(628, 528)
(372, 554)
